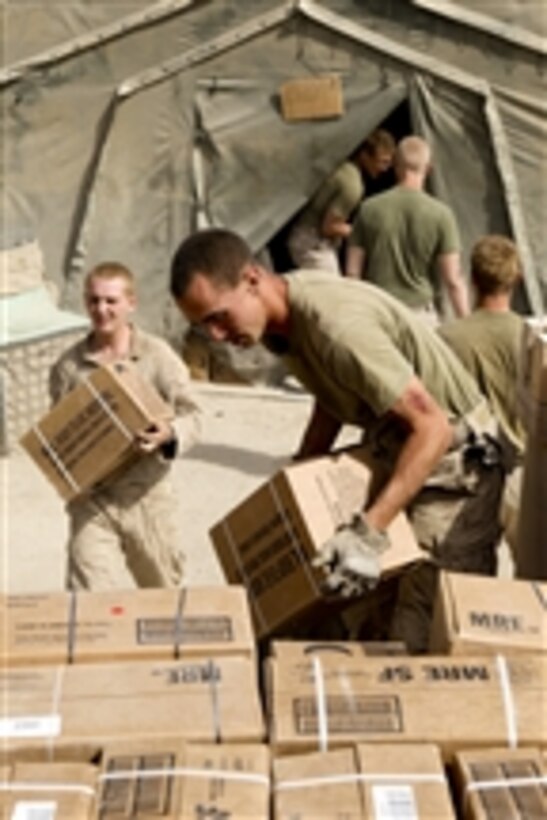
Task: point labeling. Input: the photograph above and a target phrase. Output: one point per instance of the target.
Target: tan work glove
(351, 558)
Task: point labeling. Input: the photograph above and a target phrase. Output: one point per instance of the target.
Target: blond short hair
(111, 270)
(495, 265)
(413, 154)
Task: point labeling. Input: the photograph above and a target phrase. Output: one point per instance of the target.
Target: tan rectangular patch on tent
(312, 98)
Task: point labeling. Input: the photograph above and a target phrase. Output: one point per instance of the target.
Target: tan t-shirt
(340, 194)
(488, 344)
(356, 348)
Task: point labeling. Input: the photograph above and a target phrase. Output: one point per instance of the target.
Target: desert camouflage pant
(126, 535)
(455, 518)
(310, 252)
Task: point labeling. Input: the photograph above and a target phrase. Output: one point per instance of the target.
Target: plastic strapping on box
(244, 577)
(56, 703)
(506, 783)
(178, 634)
(107, 409)
(304, 561)
(47, 787)
(359, 777)
(540, 595)
(215, 705)
(185, 771)
(508, 701)
(66, 474)
(321, 704)
(71, 626)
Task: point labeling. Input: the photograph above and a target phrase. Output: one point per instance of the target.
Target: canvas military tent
(126, 125)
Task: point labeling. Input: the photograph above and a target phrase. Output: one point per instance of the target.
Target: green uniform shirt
(488, 344)
(403, 231)
(340, 193)
(356, 349)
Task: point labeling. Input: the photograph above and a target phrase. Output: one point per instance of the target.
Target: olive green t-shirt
(356, 349)
(340, 193)
(488, 344)
(403, 231)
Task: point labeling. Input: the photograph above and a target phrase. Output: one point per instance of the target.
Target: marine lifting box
(137, 624)
(91, 431)
(477, 613)
(268, 541)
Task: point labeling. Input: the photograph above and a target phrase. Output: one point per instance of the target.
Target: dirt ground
(249, 432)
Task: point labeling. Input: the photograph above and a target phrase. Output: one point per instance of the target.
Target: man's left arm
(173, 382)
(429, 437)
(448, 266)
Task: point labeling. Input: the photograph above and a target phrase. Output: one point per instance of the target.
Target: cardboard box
(505, 783)
(90, 432)
(475, 613)
(175, 780)
(83, 627)
(49, 710)
(47, 791)
(366, 782)
(312, 98)
(268, 541)
(337, 698)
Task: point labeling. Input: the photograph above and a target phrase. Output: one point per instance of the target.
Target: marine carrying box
(326, 696)
(91, 431)
(475, 613)
(492, 784)
(83, 627)
(71, 712)
(269, 540)
(366, 782)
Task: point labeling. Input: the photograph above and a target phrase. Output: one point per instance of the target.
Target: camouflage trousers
(455, 518)
(310, 252)
(126, 535)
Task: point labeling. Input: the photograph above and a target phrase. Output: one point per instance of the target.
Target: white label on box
(32, 810)
(31, 726)
(394, 803)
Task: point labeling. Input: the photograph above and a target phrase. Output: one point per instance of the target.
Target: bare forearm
(421, 453)
(355, 262)
(459, 298)
(449, 268)
(320, 434)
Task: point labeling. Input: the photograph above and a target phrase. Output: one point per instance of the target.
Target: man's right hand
(351, 558)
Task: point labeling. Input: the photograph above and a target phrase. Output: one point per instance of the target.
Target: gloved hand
(352, 558)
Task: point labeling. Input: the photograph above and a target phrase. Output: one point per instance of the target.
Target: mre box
(268, 542)
(476, 613)
(91, 431)
(138, 624)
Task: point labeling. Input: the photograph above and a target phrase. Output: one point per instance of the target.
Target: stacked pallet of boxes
(458, 732)
(127, 680)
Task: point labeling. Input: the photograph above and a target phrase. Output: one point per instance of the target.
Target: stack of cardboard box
(269, 541)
